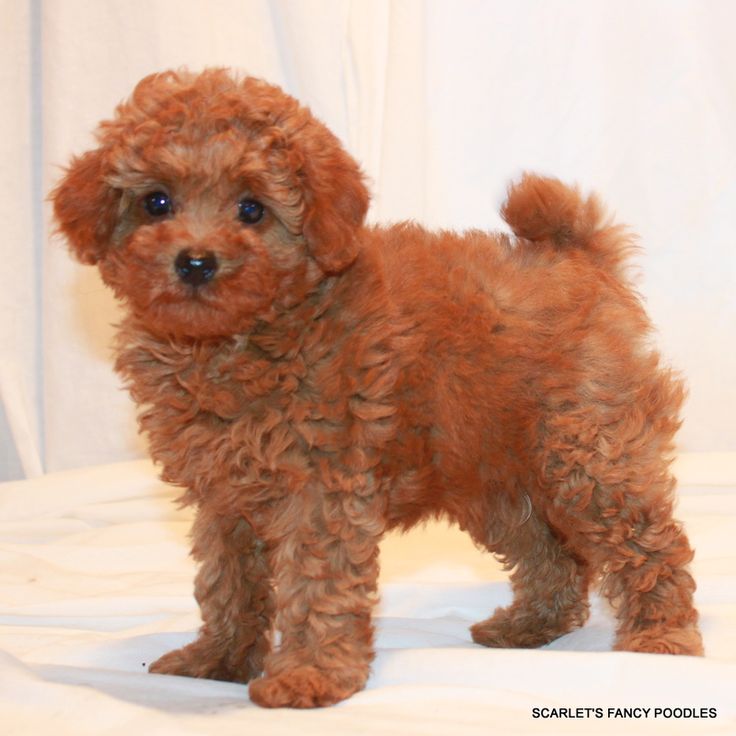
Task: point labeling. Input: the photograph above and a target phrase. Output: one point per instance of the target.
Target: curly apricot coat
(312, 382)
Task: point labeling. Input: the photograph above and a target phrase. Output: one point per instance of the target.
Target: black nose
(195, 269)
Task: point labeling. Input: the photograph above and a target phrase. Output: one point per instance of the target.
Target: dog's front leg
(233, 589)
(325, 565)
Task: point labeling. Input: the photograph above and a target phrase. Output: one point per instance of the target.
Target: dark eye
(157, 204)
(250, 211)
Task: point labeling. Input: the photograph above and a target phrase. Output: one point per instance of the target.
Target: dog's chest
(215, 417)
(248, 421)
(239, 383)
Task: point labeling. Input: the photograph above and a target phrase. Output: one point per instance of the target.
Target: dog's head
(212, 202)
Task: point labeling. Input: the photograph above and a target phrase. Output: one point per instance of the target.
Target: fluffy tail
(546, 211)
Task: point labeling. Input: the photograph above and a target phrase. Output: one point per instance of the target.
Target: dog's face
(212, 203)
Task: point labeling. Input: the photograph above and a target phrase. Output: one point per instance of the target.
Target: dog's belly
(462, 446)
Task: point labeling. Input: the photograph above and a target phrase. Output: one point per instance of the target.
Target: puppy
(312, 383)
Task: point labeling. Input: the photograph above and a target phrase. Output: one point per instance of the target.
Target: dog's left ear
(336, 202)
(85, 207)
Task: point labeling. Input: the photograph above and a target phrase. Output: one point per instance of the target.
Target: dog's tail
(546, 211)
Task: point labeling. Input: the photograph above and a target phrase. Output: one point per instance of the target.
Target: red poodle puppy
(312, 383)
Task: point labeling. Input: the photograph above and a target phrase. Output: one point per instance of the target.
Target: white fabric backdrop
(95, 583)
(442, 101)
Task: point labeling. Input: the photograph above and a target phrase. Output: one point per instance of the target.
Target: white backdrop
(442, 101)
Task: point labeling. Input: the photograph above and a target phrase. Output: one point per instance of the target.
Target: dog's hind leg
(611, 491)
(235, 597)
(550, 589)
(641, 553)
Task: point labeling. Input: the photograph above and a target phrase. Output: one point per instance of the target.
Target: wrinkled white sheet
(95, 582)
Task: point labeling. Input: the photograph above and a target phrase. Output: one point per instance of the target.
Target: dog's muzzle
(195, 269)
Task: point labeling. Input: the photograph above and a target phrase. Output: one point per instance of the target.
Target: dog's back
(494, 336)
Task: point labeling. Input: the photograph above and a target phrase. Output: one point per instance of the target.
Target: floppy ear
(85, 207)
(336, 203)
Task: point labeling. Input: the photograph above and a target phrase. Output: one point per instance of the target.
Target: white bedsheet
(96, 582)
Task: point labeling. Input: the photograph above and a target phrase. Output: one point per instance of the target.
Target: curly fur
(334, 381)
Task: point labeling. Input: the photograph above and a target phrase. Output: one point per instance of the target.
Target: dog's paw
(503, 635)
(516, 628)
(184, 662)
(685, 640)
(304, 687)
(192, 661)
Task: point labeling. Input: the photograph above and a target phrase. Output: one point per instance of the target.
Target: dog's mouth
(196, 292)
(203, 297)
(197, 314)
